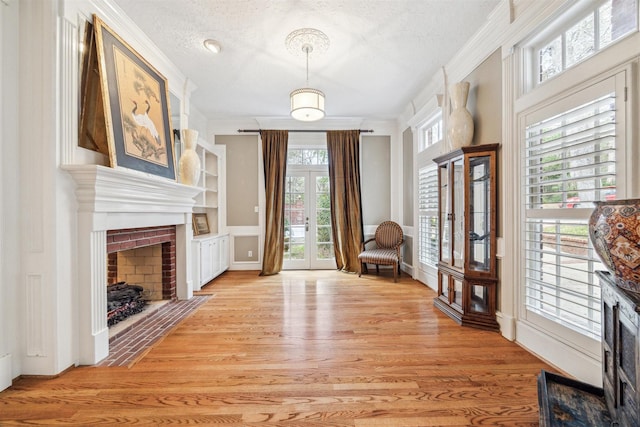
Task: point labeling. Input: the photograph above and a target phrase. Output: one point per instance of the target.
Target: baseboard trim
(507, 325)
(560, 355)
(5, 371)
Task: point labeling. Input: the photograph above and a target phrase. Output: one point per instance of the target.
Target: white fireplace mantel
(105, 189)
(118, 198)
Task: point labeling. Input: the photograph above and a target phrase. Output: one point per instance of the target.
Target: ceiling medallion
(307, 104)
(307, 36)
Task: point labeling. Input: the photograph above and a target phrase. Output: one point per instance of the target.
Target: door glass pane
(479, 299)
(479, 216)
(444, 284)
(445, 210)
(294, 218)
(458, 213)
(457, 292)
(324, 238)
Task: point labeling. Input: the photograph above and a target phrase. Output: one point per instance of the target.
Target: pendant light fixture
(307, 104)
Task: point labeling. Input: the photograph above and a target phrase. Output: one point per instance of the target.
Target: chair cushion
(379, 256)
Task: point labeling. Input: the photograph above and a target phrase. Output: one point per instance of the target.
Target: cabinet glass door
(458, 213)
(445, 215)
(479, 213)
(456, 297)
(479, 299)
(444, 285)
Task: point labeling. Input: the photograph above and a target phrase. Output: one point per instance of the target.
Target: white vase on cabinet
(460, 122)
(189, 166)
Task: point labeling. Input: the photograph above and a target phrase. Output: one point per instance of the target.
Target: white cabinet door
(210, 259)
(215, 257)
(206, 267)
(224, 253)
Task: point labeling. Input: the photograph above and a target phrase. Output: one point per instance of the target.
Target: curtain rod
(303, 130)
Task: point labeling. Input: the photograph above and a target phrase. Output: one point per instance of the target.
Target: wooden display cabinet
(467, 277)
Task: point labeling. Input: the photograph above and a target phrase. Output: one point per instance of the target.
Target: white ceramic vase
(460, 124)
(189, 166)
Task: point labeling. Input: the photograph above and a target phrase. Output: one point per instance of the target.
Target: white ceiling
(381, 53)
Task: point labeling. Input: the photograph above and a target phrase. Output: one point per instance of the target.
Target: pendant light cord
(307, 48)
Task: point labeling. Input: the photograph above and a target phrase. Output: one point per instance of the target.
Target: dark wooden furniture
(564, 401)
(467, 278)
(620, 351)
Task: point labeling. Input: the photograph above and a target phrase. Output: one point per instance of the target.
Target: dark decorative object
(566, 402)
(123, 300)
(614, 228)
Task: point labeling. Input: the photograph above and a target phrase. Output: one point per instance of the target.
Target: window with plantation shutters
(570, 161)
(428, 215)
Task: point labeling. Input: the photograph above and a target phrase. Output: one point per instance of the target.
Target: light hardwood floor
(300, 349)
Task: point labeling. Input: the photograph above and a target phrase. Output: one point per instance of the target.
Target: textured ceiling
(381, 53)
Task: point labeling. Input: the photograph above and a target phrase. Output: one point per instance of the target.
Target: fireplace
(141, 267)
(147, 257)
(110, 200)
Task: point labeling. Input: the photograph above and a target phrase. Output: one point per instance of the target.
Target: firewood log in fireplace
(123, 300)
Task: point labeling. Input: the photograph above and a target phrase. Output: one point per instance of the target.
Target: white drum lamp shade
(307, 104)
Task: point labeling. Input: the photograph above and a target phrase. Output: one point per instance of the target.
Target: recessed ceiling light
(212, 45)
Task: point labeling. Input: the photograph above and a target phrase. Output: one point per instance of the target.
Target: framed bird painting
(136, 109)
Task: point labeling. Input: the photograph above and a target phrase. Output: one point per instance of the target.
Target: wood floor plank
(301, 348)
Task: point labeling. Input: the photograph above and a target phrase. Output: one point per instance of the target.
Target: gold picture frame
(135, 98)
(200, 224)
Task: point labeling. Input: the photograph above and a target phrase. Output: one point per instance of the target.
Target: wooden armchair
(388, 240)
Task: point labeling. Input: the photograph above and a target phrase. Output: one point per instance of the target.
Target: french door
(307, 217)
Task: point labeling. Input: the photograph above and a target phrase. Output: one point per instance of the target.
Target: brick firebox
(133, 238)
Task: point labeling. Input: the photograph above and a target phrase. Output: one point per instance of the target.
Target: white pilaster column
(509, 208)
(184, 276)
(92, 294)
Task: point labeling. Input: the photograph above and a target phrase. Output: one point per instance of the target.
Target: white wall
(9, 365)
